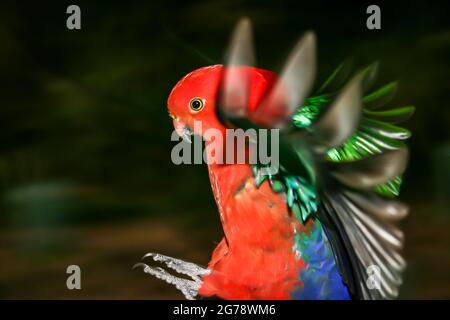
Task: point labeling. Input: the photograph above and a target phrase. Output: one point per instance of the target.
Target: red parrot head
(193, 99)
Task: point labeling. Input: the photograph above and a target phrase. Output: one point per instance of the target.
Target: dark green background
(85, 170)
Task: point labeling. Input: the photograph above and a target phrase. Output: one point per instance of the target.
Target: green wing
(359, 155)
(340, 149)
(376, 133)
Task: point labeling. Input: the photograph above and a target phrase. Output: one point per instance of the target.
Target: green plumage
(301, 197)
(376, 133)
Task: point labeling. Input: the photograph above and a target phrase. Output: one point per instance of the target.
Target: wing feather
(341, 118)
(355, 151)
(295, 82)
(235, 86)
(370, 172)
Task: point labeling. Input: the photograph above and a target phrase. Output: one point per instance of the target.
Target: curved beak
(183, 130)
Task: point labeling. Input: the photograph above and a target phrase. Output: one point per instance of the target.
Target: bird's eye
(196, 104)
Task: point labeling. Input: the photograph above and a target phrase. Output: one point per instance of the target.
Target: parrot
(325, 225)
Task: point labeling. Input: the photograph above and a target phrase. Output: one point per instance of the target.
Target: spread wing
(361, 171)
(359, 156)
(283, 98)
(236, 81)
(353, 151)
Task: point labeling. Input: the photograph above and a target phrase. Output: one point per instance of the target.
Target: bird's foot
(187, 286)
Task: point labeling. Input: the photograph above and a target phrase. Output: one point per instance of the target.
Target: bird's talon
(188, 287)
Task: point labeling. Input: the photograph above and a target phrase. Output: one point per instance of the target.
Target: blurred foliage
(84, 131)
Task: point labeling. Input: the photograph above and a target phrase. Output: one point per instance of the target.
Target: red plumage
(255, 260)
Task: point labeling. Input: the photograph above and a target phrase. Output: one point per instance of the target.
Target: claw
(187, 268)
(188, 287)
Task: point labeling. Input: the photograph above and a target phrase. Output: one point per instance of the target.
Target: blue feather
(320, 278)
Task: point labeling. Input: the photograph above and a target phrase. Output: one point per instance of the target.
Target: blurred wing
(284, 97)
(356, 154)
(293, 86)
(341, 118)
(337, 79)
(356, 151)
(235, 87)
(365, 223)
